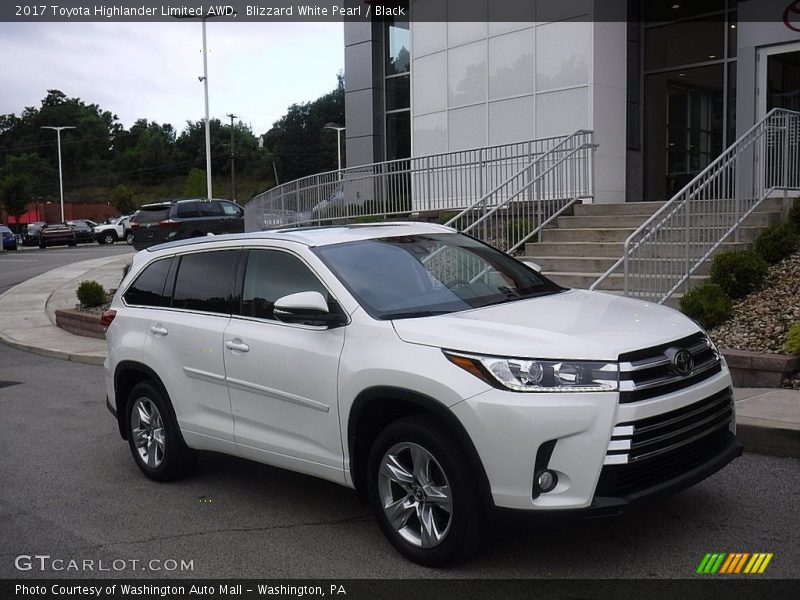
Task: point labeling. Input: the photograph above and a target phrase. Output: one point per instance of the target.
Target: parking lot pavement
(71, 490)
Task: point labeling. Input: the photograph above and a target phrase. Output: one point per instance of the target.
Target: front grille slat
(666, 445)
(650, 372)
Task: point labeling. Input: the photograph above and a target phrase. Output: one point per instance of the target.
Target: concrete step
(594, 264)
(620, 234)
(757, 219)
(590, 249)
(617, 208)
(615, 282)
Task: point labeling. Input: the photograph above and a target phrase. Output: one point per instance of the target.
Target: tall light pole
(208, 123)
(339, 131)
(58, 131)
(233, 160)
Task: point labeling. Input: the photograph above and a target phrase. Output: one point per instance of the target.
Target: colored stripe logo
(734, 563)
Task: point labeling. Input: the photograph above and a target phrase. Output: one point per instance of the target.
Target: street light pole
(60, 174)
(208, 124)
(233, 160)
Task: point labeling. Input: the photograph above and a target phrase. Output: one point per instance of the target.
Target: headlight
(522, 375)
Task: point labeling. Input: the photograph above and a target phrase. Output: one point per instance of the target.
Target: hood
(575, 324)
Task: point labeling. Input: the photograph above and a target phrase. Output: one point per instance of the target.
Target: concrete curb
(764, 439)
(80, 357)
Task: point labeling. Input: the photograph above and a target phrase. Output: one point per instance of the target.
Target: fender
(424, 404)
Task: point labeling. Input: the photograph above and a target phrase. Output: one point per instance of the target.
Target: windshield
(432, 274)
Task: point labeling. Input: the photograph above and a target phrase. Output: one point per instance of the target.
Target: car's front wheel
(154, 438)
(424, 494)
(108, 238)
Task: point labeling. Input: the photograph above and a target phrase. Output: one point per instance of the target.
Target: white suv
(439, 377)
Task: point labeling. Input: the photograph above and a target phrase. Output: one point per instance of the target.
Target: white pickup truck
(118, 229)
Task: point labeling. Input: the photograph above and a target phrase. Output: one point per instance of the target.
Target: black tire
(73, 244)
(464, 530)
(108, 237)
(42, 245)
(129, 238)
(175, 459)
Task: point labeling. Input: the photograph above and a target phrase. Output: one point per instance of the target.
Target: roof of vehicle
(167, 203)
(320, 236)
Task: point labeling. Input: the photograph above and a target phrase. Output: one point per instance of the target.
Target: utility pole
(208, 124)
(233, 160)
(60, 174)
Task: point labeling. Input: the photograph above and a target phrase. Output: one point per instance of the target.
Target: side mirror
(536, 267)
(308, 308)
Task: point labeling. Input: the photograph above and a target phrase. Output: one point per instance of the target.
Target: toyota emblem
(683, 362)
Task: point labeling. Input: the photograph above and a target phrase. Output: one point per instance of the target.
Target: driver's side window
(272, 274)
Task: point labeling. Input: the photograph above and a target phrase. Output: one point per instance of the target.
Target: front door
(779, 78)
(282, 377)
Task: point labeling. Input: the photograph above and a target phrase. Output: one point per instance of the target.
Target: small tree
(15, 193)
(195, 185)
(122, 199)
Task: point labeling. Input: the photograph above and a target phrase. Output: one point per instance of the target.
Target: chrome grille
(654, 371)
(669, 432)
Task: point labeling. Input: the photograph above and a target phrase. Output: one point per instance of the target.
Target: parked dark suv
(181, 219)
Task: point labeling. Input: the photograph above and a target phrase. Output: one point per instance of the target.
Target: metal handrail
(710, 208)
(510, 222)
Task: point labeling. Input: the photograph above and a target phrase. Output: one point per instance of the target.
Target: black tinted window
(272, 274)
(203, 281)
(187, 210)
(151, 215)
(210, 209)
(148, 289)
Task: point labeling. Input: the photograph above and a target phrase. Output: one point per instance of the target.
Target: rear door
(283, 377)
(184, 343)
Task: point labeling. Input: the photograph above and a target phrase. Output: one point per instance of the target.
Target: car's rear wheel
(42, 245)
(153, 436)
(423, 493)
(129, 238)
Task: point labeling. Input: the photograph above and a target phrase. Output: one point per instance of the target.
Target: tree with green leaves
(195, 185)
(122, 199)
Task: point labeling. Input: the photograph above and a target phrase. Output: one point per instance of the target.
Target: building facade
(664, 85)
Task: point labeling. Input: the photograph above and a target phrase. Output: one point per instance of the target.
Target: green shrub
(369, 219)
(738, 272)
(91, 293)
(792, 345)
(776, 242)
(516, 229)
(794, 216)
(707, 304)
(446, 216)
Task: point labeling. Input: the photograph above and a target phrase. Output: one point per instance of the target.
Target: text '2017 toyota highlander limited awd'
(436, 375)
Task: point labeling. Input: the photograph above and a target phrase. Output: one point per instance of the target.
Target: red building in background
(50, 212)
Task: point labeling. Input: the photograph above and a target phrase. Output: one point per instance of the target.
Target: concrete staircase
(581, 247)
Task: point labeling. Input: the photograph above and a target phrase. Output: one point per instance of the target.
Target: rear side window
(151, 215)
(148, 289)
(187, 210)
(210, 209)
(204, 281)
(272, 274)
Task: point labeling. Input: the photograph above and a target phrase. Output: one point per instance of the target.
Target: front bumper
(509, 430)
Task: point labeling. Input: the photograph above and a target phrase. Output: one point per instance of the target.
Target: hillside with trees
(105, 162)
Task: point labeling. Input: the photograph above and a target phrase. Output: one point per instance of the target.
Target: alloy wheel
(415, 495)
(147, 428)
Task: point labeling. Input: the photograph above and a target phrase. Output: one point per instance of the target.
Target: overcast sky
(150, 70)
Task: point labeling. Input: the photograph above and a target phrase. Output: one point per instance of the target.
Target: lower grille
(650, 451)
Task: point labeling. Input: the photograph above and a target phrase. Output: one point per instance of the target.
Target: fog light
(546, 480)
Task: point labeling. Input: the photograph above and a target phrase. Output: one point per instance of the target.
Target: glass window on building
(689, 92)
(397, 88)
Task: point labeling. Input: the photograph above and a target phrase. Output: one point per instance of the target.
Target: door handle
(159, 330)
(237, 345)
